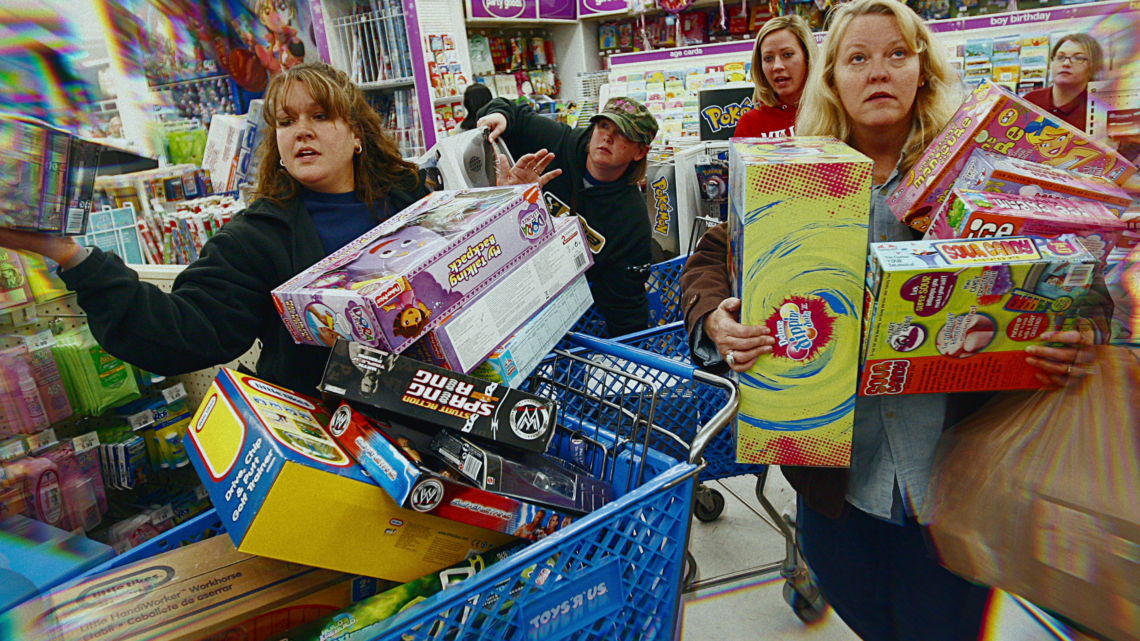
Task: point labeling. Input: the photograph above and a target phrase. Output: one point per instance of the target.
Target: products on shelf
(810, 244)
(223, 147)
(956, 316)
(95, 380)
(15, 288)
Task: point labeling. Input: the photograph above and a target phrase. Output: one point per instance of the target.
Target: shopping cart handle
(639, 356)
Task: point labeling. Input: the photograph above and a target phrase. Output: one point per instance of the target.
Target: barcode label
(579, 260)
(1079, 276)
(74, 221)
(471, 466)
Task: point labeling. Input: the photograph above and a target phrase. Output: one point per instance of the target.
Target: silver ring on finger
(729, 358)
(1069, 371)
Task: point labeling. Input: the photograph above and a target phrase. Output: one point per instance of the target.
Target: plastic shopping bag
(1039, 494)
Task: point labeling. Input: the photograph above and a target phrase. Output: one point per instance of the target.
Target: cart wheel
(805, 609)
(711, 512)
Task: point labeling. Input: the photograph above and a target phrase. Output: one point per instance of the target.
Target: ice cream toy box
(975, 214)
(798, 210)
(957, 315)
(996, 120)
(286, 490)
(526, 476)
(402, 278)
(405, 387)
(993, 172)
(400, 460)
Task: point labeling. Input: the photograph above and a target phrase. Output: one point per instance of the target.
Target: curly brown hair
(376, 169)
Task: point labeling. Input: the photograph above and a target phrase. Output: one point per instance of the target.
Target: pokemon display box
(798, 215)
(957, 315)
(975, 214)
(994, 119)
(285, 490)
(401, 279)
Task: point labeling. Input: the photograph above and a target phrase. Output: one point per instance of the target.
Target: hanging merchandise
(21, 407)
(15, 292)
(95, 380)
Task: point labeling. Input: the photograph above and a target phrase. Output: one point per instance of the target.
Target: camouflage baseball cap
(631, 117)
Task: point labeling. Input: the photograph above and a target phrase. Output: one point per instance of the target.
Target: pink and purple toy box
(403, 278)
(976, 214)
(994, 119)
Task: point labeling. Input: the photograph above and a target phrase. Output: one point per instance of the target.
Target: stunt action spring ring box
(798, 213)
(996, 120)
(956, 316)
(401, 279)
(285, 490)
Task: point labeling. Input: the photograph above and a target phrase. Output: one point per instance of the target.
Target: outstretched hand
(527, 170)
(58, 248)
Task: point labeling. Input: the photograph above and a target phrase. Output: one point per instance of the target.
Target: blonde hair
(821, 111)
(764, 92)
(376, 169)
(1091, 47)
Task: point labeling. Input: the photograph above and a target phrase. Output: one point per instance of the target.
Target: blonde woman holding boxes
(883, 85)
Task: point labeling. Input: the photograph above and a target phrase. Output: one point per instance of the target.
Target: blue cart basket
(663, 290)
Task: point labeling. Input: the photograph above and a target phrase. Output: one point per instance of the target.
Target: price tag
(88, 441)
(174, 394)
(13, 450)
(201, 492)
(39, 340)
(42, 440)
(141, 420)
(162, 514)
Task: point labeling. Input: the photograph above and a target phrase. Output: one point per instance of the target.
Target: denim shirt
(894, 437)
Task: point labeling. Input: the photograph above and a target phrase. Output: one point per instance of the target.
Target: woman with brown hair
(1075, 62)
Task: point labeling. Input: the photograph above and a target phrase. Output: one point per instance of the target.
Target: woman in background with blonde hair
(781, 59)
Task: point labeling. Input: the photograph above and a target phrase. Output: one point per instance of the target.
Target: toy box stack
(996, 120)
(410, 274)
(798, 227)
(956, 316)
(975, 214)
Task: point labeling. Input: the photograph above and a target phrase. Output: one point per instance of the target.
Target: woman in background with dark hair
(474, 98)
(1076, 61)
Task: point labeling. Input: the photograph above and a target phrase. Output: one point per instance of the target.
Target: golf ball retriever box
(404, 387)
(957, 315)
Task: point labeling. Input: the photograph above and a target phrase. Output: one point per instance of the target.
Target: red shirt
(1073, 113)
(767, 122)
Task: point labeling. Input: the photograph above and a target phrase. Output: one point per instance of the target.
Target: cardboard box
(798, 210)
(183, 595)
(286, 490)
(661, 197)
(401, 461)
(957, 315)
(975, 214)
(992, 172)
(405, 277)
(994, 119)
(418, 391)
(513, 361)
(466, 338)
(223, 145)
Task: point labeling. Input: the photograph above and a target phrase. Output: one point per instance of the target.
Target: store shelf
(386, 84)
(443, 100)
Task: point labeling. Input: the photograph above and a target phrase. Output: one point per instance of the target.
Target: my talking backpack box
(975, 214)
(468, 336)
(401, 461)
(957, 315)
(798, 211)
(406, 276)
(987, 171)
(995, 119)
(285, 490)
(421, 392)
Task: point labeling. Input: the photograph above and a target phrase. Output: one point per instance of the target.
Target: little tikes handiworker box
(986, 171)
(401, 461)
(994, 119)
(468, 336)
(798, 212)
(975, 214)
(957, 315)
(404, 387)
(286, 490)
(404, 277)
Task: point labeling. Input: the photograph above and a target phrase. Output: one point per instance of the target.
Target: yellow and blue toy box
(798, 212)
(286, 490)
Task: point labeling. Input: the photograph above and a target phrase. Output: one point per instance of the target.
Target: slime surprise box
(285, 490)
(987, 171)
(994, 119)
(405, 276)
(405, 387)
(975, 214)
(798, 212)
(471, 334)
(401, 462)
(957, 315)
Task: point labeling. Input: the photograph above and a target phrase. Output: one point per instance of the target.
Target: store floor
(753, 609)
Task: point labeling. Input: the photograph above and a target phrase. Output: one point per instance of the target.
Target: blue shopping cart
(663, 290)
